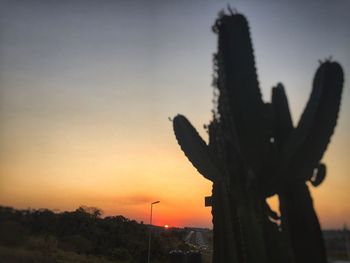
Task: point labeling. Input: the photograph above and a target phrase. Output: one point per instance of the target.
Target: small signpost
(208, 201)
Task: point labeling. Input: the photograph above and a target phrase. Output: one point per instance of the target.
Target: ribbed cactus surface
(254, 152)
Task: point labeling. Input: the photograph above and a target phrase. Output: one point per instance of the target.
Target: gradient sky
(86, 89)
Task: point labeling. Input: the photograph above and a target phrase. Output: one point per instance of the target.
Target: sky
(86, 89)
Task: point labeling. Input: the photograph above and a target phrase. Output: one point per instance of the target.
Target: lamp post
(150, 231)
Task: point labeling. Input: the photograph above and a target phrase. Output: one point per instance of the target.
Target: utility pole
(150, 231)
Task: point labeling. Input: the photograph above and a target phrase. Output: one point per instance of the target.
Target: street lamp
(150, 231)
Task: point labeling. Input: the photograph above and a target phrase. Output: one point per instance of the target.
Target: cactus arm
(301, 155)
(309, 141)
(283, 124)
(201, 157)
(195, 148)
(303, 152)
(238, 85)
(320, 175)
(296, 206)
(281, 128)
(237, 63)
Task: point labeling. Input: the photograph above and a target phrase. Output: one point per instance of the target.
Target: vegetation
(79, 236)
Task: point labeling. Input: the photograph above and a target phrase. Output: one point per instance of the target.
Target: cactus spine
(254, 152)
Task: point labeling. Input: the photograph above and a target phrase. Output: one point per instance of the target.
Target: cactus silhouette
(254, 152)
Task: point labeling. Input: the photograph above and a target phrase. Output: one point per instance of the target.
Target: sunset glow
(86, 92)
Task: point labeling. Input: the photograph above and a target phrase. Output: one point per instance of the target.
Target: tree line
(85, 231)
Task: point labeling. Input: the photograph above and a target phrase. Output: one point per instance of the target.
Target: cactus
(254, 152)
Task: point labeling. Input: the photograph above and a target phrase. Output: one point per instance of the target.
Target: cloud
(136, 199)
(131, 199)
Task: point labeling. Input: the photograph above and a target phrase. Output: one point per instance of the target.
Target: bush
(12, 234)
(77, 244)
(120, 254)
(46, 244)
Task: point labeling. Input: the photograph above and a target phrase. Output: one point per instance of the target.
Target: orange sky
(86, 92)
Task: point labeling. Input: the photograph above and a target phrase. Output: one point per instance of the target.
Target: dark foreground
(83, 236)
